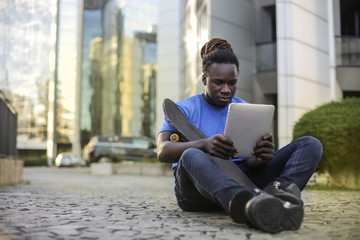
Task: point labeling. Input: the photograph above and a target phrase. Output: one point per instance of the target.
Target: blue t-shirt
(209, 119)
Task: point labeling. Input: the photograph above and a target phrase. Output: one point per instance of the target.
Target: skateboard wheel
(174, 137)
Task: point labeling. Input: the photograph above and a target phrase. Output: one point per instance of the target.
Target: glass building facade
(118, 68)
(99, 54)
(26, 50)
(196, 32)
(67, 57)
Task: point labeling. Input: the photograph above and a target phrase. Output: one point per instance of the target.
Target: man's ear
(203, 79)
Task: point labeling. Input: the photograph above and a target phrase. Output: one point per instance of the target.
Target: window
(350, 18)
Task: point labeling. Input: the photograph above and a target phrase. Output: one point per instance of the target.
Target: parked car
(68, 159)
(117, 148)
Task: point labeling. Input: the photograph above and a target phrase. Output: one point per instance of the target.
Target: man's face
(220, 82)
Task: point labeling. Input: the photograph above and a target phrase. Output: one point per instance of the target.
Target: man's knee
(315, 150)
(190, 152)
(315, 145)
(192, 156)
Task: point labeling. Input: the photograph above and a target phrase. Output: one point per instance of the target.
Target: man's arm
(169, 151)
(218, 145)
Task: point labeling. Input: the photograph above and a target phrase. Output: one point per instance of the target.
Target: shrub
(337, 126)
(34, 161)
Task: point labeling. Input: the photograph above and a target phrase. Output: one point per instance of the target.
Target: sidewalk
(73, 204)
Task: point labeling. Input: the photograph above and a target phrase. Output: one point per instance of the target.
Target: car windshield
(140, 143)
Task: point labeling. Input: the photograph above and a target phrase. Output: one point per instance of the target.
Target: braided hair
(217, 50)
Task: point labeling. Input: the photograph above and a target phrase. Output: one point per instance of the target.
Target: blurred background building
(76, 69)
(25, 66)
(73, 69)
(118, 68)
(294, 54)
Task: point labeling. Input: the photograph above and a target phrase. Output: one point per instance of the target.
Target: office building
(26, 50)
(118, 68)
(76, 69)
(296, 55)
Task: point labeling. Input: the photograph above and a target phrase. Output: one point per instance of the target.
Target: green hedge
(34, 161)
(337, 126)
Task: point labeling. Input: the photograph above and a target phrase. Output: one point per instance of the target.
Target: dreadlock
(217, 50)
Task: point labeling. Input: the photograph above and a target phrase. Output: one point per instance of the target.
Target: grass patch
(150, 160)
(25, 182)
(325, 187)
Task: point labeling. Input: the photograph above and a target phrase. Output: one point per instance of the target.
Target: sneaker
(290, 194)
(271, 214)
(237, 205)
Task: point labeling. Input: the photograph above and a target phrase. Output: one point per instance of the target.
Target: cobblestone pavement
(73, 204)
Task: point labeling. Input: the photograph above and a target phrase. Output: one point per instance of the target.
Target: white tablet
(246, 124)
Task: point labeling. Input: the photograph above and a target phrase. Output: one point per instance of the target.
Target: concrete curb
(11, 171)
(129, 167)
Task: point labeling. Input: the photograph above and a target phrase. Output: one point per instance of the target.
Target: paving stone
(71, 203)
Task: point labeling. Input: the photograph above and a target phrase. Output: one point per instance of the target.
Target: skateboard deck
(191, 133)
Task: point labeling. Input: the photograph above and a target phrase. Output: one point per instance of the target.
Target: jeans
(202, 186)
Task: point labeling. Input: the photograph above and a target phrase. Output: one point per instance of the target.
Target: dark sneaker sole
(273, 215)
(237, 206)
